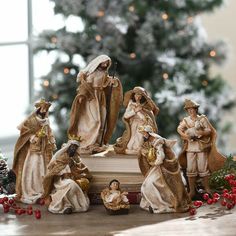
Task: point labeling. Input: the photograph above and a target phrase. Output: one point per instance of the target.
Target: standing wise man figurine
(199, 154)
(32, 153)
(95, 108)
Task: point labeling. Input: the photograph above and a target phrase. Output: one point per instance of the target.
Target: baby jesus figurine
(114, 200)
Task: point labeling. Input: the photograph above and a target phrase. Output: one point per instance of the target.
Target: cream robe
(136, 119)
(67, 194)
(92, 118)
(32, 178)
(33, 172)
(155, 191)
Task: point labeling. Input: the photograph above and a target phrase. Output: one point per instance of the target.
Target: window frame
(29, 43)
(7, 143)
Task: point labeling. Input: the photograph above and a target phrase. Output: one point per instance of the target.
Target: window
(14, 62)
(19, 20)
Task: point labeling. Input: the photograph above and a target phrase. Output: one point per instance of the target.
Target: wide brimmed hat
(190, 104)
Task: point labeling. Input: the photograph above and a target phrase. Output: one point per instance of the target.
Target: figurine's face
(137, 97)
(192, 111)
(42, 111)
(114, 185)
(104, 65)
(72, 150)
(145, 135)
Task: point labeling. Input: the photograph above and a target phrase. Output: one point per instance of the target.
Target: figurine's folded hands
(34, 139)
(66, 176)
(113, 82)
(203, 132)
(185, 137)
(81, 99)
(137, 109)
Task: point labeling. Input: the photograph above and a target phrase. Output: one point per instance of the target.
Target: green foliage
(217, 179)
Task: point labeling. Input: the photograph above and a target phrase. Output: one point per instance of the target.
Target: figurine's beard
(145, 139)
(41, 114)
(71, 153)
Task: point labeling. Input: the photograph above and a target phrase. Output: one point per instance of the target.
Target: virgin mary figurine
(140, 110)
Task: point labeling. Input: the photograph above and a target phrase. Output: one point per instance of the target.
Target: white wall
(220, 25)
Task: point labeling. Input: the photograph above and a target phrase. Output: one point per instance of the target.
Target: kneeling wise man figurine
(162, 190)
(67, 181)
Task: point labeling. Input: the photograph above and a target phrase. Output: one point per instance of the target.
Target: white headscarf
(93, 65)
(63, 149)
(168, 142)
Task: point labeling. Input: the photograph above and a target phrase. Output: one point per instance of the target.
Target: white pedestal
(108, 165)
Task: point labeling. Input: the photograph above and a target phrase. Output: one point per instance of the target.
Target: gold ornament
(151, 155)
(83, 183)
(42, 133)
(74, 137)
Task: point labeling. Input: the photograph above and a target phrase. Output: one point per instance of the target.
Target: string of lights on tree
(159, 45)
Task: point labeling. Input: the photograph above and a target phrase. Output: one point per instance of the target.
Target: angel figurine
(67, 181)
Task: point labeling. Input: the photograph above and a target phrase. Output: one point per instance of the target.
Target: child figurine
(162, 190)
(33, 151)
(199, 154)
(67, 181)
(114, 200)
(140, 110)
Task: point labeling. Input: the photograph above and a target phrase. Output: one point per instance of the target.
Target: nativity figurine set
(62, 180)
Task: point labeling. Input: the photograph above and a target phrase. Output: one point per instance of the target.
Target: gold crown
(42, 102)
(74, 137)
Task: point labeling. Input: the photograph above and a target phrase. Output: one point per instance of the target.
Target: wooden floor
(210, 220)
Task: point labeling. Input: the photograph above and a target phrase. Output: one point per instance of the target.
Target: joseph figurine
(96, 106)
(33, 151)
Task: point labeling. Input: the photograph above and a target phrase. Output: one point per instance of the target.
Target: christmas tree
(160, 45)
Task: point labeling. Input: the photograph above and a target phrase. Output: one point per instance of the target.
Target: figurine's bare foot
(150, 210)
(98, 149)
(67, 211)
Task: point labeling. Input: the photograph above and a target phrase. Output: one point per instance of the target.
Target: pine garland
(218, 180)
